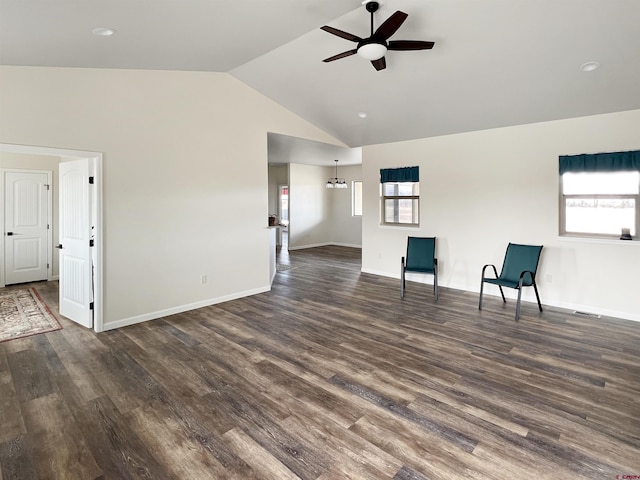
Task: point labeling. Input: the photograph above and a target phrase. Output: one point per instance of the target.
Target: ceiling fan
(375, 46)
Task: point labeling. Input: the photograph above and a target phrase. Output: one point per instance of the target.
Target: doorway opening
(91, 203)
(283, 215)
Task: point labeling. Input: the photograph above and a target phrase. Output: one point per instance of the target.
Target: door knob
(59, 246)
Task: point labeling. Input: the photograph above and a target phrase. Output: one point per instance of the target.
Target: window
(600, 204)
(600, 194)
(400, 196)
(356, 199)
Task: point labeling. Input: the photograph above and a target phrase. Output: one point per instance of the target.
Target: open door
(75, 234)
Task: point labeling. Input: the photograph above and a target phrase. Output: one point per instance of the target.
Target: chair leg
(435, 282)
(504, 300)
(402, 282)
(481, 289)
(535, 289)
(518, 303)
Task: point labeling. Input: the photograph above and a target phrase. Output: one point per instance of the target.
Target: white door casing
(76, 269)
(27, 214)
(96, 159)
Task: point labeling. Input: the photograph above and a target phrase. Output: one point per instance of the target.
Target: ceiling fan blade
(391, 25)
(409, 45)
(341, 34)
(341, 55)
(379, 64)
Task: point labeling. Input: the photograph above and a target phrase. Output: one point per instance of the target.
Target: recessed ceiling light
(362, 114)
(589, 66)
(103, 31)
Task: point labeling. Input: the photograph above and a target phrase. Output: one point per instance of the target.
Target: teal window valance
(405, 174)
(601, 162)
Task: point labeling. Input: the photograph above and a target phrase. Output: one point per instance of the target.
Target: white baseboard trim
(596, 310)
(125, 322)
(326, 244)
(311, 245)
(54, 278)
(349, 245)
(526, 297)
(381, 273)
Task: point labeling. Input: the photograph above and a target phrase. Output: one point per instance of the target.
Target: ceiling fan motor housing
(370, 40)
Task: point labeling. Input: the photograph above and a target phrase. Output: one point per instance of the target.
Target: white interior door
(26, 226)
(76, 292)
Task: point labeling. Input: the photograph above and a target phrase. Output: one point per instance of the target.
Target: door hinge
(91, 306)
(91, 242)
(48, 186)
(47, 266)
(90, 180)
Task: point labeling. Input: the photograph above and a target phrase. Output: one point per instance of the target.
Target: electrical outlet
(203, 279)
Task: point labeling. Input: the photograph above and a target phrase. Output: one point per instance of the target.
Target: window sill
(601, 241)
(398, 227)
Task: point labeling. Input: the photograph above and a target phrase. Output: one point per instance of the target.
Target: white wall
(309, 207)
(481, 190)
(37, 162)
(185, 176)
(346, 229)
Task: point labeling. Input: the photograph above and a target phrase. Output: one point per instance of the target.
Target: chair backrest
(520, 258)
(421, 252)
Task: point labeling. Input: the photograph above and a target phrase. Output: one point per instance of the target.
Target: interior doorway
(283, 215)
(93, 201)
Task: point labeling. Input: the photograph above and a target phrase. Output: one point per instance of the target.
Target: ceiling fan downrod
(372, 7)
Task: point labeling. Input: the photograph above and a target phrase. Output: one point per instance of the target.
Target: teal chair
(518, 270)
(421, 258)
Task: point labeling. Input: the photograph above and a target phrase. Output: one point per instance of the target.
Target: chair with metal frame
(518, 270)
(421, 258)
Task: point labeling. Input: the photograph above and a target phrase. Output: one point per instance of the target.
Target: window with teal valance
(405, 174)
(601, 162)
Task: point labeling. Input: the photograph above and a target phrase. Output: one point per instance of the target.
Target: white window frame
(383, 212)
(562, 210)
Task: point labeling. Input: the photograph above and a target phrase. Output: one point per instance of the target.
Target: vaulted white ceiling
(495, 62)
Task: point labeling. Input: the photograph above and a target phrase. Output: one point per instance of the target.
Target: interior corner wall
(185, 176)
(346, 229)
(481, 190)
(309, 207)
(37, 162)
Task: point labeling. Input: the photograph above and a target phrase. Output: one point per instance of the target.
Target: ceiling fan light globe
(372, 51)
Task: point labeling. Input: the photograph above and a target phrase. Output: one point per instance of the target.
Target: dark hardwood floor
(328, 376)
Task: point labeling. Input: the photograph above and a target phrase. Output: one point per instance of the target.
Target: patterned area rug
(23, 313)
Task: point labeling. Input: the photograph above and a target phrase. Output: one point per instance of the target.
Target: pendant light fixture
(335, 182)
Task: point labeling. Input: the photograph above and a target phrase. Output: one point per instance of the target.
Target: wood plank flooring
(328, 376)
